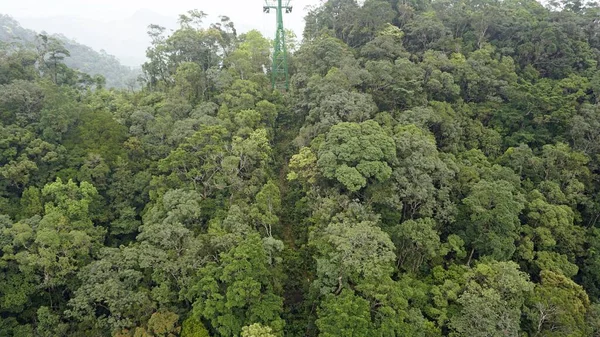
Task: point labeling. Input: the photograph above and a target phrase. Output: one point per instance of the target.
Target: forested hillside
(432, 171)
(80, 57)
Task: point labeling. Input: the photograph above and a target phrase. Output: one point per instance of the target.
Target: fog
(119, 26)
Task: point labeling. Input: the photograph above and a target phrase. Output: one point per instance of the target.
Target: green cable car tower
(279, 73)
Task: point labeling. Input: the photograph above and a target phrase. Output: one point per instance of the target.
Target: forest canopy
(431, 171)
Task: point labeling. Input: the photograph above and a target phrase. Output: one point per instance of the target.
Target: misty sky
(243, 11)
(116, 8)
(49, 15)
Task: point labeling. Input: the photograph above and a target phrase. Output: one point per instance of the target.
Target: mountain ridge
(125, 37)
(82, 57)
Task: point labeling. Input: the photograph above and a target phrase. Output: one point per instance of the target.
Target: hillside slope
(83, 58)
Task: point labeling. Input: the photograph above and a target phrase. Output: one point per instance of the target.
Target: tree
(421, 177)
(52, 52)
(353, 153)
(396, 84)
(492, 301)
(237, 290)
(192, 327)
(257, 330)
(160, 324)
(251, 57)
(21, 102)
(475, 87)
(17, 285)
(49, 324)
(65, 238)
(416, 241)
(558, 307)
(323, 54)
(346, 253)
(439, 81)
(492, 223)
(425, 32)
(342, 106)
(110, 297)
(335, 17)
(387, 45)
(584, 128)
(197, 160)
(554, 226)
(344, 315)
(267, 206)
(190, 82)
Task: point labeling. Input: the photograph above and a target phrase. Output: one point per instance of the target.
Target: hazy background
(119, 26)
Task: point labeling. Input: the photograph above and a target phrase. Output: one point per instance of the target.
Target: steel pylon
(280, 78)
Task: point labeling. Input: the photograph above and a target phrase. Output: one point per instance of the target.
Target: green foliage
(100, 65)
(353, 153)
(416, 242)
(257, 330)
(431, 171)
(421, 176)
(492, 301)
(492, 225)
(347, 254)
(49, 323)
(344, 315)
(558, 307)
(192, 327)
(237, 291)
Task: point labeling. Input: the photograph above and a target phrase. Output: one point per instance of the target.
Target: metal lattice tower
(279, 72)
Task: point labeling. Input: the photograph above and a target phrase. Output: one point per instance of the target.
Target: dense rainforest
(431, 171)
